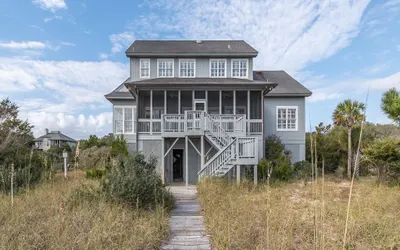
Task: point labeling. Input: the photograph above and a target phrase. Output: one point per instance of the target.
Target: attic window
(218, 67)
(165, 67)
(240, 68)
(144, 68)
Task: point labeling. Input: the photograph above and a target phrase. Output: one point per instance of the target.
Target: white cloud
(51, 5)
(57, 93)
(55, 17)
(22, 45)
(119, 42)
(352, 87)
(67, 44)
(376, 68)
(76, 126)
(289, 35)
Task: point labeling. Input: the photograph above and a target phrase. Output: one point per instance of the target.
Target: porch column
(202, 153)
(237, 174)
(186, 161)
(163, 160)
(255, 175)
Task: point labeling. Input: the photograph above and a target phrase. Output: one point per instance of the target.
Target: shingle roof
(115, 94)
(190, 83)
(190, 47)
(55, 135)
(287, 85)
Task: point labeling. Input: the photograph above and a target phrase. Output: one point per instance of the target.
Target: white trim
(123, 119)
(194, 67)
(140, 67)
(218, 59)
(247, 67)
(173, 67)
(200, 101)
(297, 118)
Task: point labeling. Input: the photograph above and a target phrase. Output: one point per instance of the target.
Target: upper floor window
(287, 118)
(165, 67)
(218, 67)
(124, 120)
(187, 67)
(144, 68)
(240, 68)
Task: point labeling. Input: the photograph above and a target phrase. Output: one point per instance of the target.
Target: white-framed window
(165, 68)
(240, 68)
(217, 67)
(187, 67)
(144, 68)
(124, 119)
(287, 118)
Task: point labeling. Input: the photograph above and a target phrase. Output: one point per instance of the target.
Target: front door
(177, 165)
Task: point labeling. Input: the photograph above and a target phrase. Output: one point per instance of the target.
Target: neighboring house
(199, 107)
(53, 138)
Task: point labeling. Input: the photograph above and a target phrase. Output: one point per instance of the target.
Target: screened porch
(234, 109)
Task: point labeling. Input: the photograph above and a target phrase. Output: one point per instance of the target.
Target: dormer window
(187, 67)
(240, 68)
(144, 68)
(165, 68)
(218, 67)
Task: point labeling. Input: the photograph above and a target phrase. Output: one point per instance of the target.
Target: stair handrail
(218, 154)
(220, 133)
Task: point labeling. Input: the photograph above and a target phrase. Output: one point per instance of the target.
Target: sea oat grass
(235, 216)
(43, 219)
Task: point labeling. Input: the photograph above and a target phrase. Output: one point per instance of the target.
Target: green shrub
(96, 173)
(384, 155)
(283, 169)
(277, 159)
(135, 181)
(302, 170)
(95, 157)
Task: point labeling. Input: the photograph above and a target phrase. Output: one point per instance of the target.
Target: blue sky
(59, 57)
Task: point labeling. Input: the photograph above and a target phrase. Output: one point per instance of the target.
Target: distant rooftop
(190, 47)
(55, 135)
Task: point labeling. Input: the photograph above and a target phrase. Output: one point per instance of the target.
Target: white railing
(247, 147)
(254, 127)
(216, 130)
(219, 160)
(231, 123)
(194, 120)
(173, 123)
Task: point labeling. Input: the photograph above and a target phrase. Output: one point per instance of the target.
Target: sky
(58, 58)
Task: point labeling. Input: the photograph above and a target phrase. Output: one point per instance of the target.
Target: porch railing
(234, 125)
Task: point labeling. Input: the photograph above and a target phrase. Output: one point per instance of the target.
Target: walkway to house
(186, 228)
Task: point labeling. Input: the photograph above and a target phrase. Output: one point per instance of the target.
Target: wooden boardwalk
(186, 227)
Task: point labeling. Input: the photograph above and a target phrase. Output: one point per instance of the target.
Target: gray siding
(194, 158)
(293, 140)
(202, 67)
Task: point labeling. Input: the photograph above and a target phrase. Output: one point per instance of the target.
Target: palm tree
(348, 113)
(390, 104)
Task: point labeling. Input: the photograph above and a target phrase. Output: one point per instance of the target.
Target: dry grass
(236, 216)
(41, 219)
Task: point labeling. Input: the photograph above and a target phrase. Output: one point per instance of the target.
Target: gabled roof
(190, 48)
(55, 135)
(120, 92)
(287, 85)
